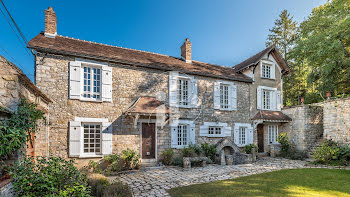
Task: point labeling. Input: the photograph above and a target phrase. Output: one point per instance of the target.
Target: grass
(295, 182)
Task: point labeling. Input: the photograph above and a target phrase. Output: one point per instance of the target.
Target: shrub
(48, 177)
(131, 158)
(283, 139)
(178, 161)
(209, 150)
(167, 156)
(331, 152)
(188, 152)
(100, 187)
(113, 163)
(248, 148)
(95, 166)
(197, 149)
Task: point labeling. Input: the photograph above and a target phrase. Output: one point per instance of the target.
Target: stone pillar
(229, 159)
(254, 155)
(187, 162)
(222, 157)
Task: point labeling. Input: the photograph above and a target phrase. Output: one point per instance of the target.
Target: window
(266, 70)
(182, 135)
(273, 133)
(214, 131)
(92, 138)
(242, 135)
(182, 94)
(224, 96)
(266, 99)
(92, 82)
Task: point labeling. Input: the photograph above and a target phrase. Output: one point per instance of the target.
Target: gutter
(132, 63)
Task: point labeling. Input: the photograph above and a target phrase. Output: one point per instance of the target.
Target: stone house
(14, 85)
(108, 98)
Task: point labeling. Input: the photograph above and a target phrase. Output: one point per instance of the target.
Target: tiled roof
(148, 105)
(257, 57)
(272, 115)
(80, 48)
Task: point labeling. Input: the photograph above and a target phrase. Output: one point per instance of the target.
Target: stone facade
(336, 120)
(14, 85)
(129, 83)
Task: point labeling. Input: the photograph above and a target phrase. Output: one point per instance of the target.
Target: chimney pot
(186, 51)
(50, 23)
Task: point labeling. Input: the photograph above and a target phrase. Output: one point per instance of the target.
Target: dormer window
(267, 69)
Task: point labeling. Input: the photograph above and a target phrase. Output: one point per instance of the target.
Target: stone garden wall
(336, 120)
(307, 125)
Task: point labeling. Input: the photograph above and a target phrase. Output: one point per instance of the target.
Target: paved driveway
(155, 182)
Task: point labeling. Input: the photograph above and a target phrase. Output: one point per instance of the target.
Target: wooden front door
(260, 131)
(148, 140)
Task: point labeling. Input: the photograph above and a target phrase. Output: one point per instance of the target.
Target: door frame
(156, 135)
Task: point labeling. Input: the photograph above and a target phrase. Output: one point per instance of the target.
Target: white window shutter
(227, 131)
(192, 133)
(273, 71)
(173, 133)
(107, 138)
(279, 100)
(75, 131)
(236, 135)
(250, 135)
(273, 100)
(194, 93)
(258, 98)
(234, 97)
(107, 83)
(261, 69)
(204, 130)
(173, 76)
(74, 80)
(216, 95)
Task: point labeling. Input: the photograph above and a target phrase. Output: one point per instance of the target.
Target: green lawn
(296, 182)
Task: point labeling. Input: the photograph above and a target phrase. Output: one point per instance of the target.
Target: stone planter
(275, 149)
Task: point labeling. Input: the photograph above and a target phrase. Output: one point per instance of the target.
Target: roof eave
(41, 49)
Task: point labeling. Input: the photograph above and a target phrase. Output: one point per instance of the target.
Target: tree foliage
(317, 52)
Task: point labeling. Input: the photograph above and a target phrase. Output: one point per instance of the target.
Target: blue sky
(223, 33)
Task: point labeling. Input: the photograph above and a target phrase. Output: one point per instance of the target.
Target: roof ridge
(212, 64)
(109, 45)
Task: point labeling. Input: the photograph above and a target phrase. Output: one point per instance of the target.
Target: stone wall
(129, 83)
(336, 120)
(14, 86)
(306, 127)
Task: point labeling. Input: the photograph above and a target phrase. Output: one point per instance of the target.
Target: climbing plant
(19, 128)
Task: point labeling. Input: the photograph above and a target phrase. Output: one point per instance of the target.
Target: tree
(324, 44)
(283, 35)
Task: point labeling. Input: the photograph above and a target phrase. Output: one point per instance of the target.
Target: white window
(242, 135)
(214, 131)
(182, 135)
(224, 96)
(183, 91)
(272, 134)
(266, 99)
(92, 82)
(92, 138)
(266, 70)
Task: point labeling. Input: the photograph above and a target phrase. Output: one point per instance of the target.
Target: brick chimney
(186, 51)
(50, 23)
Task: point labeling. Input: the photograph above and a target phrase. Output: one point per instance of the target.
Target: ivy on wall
(19, 128)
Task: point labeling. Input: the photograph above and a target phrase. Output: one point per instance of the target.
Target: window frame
(215, 128)
(272, 132)
(266, 102)
(188, 101)
(240, 136)
(266, 67)
(83, 66)
(223, 98)
(91, 154)
(182, 126)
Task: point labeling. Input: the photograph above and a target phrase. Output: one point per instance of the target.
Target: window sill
(215, 136)
(267, 78)
(90, 156)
